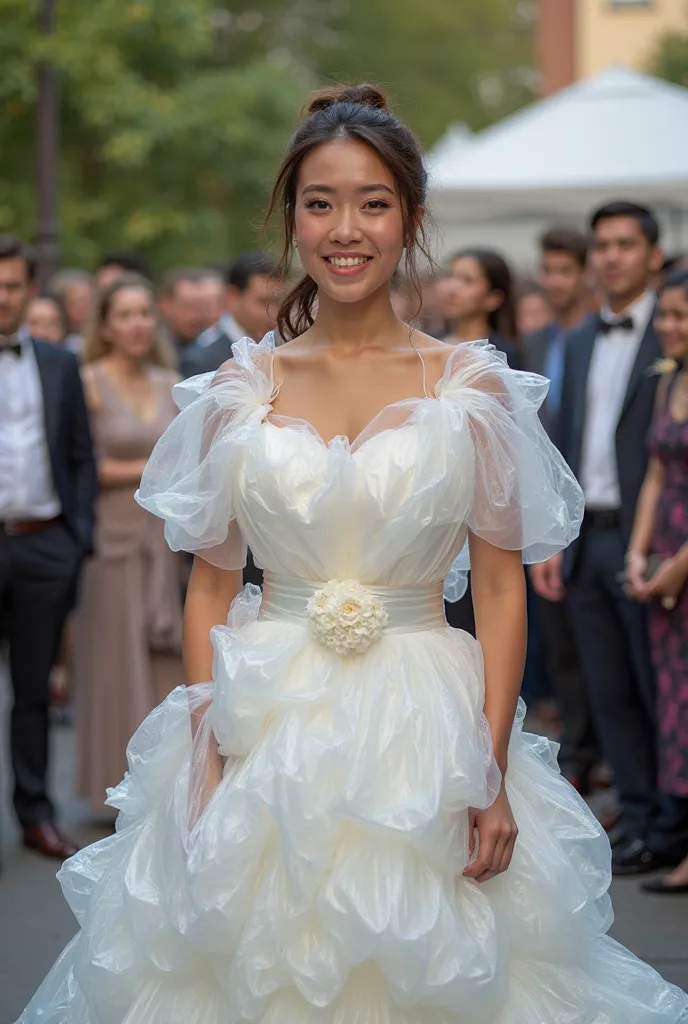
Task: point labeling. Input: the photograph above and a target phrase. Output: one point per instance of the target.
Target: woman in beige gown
(128, 630)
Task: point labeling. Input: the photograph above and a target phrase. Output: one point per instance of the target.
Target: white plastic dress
(320, 881)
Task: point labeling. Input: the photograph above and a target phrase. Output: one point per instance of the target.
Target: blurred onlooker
(113, 265)
(214, 290)
(533, 310)
(563, 278)
(77, 291)
(608, 396)
(252, 299)
(671, 266)
(438, 304)
(47, 491)
(184, 305)
(657, 556)
(480, 301)
(46, 319)
(562, 275)
(128, 623)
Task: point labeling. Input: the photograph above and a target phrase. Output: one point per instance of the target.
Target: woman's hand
(497, 833)
(636, 567)
(667, 583)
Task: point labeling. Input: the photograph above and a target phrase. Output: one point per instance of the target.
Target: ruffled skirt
(321, 882)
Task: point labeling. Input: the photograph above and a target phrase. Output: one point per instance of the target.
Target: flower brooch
(346, 617)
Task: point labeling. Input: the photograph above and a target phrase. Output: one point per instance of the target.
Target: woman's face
(348, 220)
(131, 323)
(533, 313)
(671, 322)
(44, 320)
(468, 292)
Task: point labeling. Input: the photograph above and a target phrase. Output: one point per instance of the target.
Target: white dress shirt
(610, 369)
(228, 325)
(27, 489)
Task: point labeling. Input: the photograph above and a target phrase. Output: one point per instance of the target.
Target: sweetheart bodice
(391, 509)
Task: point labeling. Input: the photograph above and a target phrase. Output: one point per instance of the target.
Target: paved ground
(35, 923)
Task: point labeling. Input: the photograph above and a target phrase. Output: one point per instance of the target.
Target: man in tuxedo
(47, 494)
(253, 296)
(562, 276)
(607, 403)
(183, 300)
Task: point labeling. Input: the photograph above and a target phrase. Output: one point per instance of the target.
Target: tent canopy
(618, 134)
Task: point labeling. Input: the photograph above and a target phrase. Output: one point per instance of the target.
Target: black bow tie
(15, 348)
(606, 326)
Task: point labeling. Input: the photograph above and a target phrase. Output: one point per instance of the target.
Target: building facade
(580, 38)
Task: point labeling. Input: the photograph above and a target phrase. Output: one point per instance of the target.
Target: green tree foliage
(165, 147)
(174, 112)
(670, 59)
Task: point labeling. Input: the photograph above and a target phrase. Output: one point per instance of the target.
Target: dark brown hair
(496, 272)
(357, 112)
(12, 248)
(568, 240)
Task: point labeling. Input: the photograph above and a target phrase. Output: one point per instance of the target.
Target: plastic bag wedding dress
(318, 879)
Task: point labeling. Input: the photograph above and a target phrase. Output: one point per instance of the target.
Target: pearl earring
(295, 242)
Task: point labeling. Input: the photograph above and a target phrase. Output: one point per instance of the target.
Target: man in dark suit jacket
(253, 296)
(562, 276)
(607, 404)
(47, 494)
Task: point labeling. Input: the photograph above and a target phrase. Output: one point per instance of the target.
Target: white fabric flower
(345, 616)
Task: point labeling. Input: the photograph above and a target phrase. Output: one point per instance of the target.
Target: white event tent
(618, 135)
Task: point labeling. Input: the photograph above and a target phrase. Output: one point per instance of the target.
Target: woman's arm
(499, 600)
(641, 536)
(208, 599)
(119, 472)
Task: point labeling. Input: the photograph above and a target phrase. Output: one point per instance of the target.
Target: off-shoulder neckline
(248, 349)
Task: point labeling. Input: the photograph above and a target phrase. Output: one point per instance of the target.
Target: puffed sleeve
(524, 496)
(189, 478)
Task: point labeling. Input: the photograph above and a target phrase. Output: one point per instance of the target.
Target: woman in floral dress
(657, 559)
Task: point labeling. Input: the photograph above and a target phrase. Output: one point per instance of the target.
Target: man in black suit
(607, 404)
(562, 276)
(47, 494)
(253, 296)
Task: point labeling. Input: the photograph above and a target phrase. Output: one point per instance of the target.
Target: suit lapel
(50, 385)
(648, 351)
(585, 346)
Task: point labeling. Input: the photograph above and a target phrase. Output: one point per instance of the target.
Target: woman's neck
(350, 327)
(473, 327)
(124, 366)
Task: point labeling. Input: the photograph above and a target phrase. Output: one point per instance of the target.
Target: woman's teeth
(347, 261)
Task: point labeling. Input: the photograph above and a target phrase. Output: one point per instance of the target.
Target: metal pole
(47, 239)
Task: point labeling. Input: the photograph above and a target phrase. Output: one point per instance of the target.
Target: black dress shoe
(662, 887)
(616, 837)
(636, 858)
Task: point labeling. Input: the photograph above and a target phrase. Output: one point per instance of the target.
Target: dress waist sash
(408, 609)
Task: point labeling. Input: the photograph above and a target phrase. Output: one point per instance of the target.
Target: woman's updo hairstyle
(359, 112)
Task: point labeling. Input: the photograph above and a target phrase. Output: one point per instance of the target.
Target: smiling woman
(354, 172)
(340, 819)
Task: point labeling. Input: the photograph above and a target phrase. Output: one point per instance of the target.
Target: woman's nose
(346, 229)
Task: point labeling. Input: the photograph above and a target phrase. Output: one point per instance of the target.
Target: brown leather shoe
(47, 839)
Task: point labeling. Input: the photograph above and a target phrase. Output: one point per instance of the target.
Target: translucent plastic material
(292, 838)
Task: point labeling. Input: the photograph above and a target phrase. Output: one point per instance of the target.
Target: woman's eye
(378, 204)
(316, 204)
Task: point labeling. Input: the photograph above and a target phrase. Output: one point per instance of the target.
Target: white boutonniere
(662, 367)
